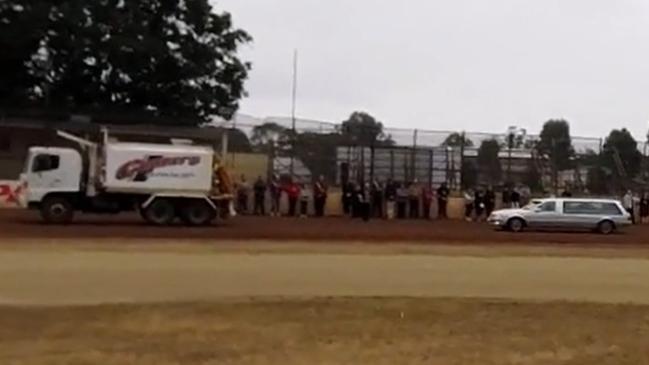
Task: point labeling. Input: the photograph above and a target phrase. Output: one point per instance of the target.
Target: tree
(161, 58)
(515, 138)
(269, 133)
(621, 143)
(362, 129)
(22, 26)
(318, 152)
(596, 181)
(556, 144)
(456, 139)
(489, 161)
(469, 174)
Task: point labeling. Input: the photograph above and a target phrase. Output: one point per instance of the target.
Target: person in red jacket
(292, 190)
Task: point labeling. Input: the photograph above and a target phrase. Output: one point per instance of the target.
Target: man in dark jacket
(320, 196)
(260, 197)
(348, 197)
(489, 201)
(376, 192)
(442, 200)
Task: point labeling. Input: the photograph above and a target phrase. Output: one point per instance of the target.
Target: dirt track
(49, 276)
(16, 224)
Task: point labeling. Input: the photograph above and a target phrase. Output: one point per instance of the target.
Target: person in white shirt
(469, 199)
(627, 202)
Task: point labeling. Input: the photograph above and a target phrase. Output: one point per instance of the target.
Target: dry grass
(327, 331)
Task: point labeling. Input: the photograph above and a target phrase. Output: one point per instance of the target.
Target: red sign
(143, 167)
(10, 194)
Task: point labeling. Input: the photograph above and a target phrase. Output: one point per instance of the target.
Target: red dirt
(15, 224)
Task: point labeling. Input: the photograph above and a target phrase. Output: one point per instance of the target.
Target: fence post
(361, 176)
(372, 154)
(391, 164)
(462, 158)
(414, 157)
(430, 167)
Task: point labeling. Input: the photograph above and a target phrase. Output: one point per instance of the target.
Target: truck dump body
(155, 168)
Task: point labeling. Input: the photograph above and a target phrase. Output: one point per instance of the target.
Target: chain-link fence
(459, 159)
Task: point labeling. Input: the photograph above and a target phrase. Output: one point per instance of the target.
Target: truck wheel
(197, 213)
(57, 210)
(160, 212)
(515, 225)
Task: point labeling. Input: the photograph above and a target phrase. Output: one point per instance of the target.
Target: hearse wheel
(515, 225)
(606, 227)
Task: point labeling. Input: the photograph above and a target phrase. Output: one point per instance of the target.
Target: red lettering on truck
(145, 166)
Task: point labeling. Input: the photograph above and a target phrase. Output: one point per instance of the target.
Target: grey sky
(478, 65)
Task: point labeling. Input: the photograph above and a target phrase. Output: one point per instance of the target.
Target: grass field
(328, 331)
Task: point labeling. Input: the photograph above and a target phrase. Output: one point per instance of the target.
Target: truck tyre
(515, 225)
(197, 213)
(160, 212)
(57, 210)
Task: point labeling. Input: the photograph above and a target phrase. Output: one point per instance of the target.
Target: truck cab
(51, 171)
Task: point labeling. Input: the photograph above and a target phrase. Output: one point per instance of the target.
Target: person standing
(275, 196)
(627, 201)
(489, 201)
(402, 201)
(304, 201)
(320, 196)
(348, 197)
(413, 199)
(515, 199)
(427, 200)
(507, 198)
(469, 200)
(442, 200)
(243, 189)
(293, 193)
(390, 198)
(362, 202)
(644, 208)
(376, 197)
(479, 204)
(260, 197)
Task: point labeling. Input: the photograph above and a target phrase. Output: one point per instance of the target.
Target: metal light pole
(293, 102)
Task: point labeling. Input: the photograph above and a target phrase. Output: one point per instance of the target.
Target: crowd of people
(391, 199)
(299, 196)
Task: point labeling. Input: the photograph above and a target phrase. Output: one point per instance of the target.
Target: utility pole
(293, 102)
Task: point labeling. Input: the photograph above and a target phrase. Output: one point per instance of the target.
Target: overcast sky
(475, 65)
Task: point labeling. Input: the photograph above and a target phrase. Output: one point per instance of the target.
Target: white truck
(160, 181)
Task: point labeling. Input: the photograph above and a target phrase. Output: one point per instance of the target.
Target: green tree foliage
(489, 161)
(533, 177)
(456, 139)
(515, 138)
(622, 143)
(596, 181)
(164, 58)
(469, 174)
(362, 129)
(263, 136)
(318, 153)
(556, 143)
